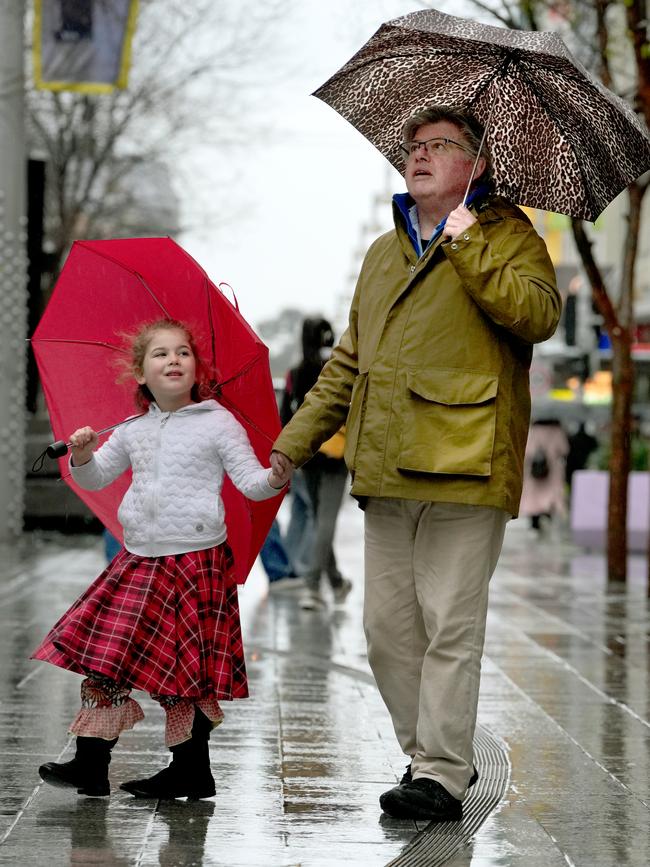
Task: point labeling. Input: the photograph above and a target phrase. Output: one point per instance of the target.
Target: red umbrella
(107, 288)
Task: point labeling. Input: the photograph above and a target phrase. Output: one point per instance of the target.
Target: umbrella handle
(60, 448)
(57, 449)
(219, 285)
(54, 450)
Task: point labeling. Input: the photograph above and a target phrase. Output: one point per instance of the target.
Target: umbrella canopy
(109, 288)
(559, 140)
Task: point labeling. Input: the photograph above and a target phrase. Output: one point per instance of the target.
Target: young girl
(163, 616)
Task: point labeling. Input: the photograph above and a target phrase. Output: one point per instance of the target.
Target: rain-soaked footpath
(562, 747)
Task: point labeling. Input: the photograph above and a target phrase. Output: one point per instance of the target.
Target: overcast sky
(309, 190)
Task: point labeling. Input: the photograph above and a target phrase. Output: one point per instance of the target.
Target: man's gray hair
(470, 128)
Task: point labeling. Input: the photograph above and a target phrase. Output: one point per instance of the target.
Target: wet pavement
(563, 744)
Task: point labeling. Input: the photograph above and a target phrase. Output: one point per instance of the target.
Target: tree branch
(602, 38)
(637, 12)
(594, 275)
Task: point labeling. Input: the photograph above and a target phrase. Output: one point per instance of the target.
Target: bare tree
(193, 78)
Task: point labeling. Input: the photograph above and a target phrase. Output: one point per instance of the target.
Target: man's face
(439, 172)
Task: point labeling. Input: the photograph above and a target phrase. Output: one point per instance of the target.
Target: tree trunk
(622, 376)
(623, 389)
(619, 463)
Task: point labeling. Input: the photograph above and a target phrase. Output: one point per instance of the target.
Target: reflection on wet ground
(300, 765)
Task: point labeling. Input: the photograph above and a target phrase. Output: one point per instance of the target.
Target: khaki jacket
(432, 372)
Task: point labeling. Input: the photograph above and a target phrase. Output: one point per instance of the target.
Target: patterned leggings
(107, 710)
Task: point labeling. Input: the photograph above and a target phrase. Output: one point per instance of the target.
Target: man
(432, 376)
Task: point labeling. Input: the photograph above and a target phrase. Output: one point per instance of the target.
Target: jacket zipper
(154, 505)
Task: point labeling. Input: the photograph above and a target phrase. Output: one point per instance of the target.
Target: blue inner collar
(408, 209)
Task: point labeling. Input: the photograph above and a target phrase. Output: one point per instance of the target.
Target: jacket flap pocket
(453, 387)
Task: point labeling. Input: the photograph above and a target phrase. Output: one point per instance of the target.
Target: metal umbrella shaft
(60, 448)
(478, 155)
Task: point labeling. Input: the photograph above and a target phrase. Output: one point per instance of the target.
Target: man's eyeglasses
(432, 146)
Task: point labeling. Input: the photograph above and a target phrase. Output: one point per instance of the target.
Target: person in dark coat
(581, 445)
(325, 474)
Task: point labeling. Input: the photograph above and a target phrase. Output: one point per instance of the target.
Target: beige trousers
(427, 570)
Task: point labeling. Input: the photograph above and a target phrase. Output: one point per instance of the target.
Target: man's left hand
(458, 220)
(282, 466)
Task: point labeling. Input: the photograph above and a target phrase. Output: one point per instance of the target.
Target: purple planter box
(589, 496)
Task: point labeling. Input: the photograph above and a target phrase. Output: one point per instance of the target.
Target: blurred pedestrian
(581, 445)
(300, 528)
(543, 495)
(325, 474)
(276, 563)
(163, 616)
(431, 379)
(112, 545)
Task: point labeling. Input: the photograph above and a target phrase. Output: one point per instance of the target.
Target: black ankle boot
(188, 775)
(87, 772)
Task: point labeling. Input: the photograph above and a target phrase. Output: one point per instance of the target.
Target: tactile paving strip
(438, 841)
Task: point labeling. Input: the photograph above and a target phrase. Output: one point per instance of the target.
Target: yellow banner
(83, 45)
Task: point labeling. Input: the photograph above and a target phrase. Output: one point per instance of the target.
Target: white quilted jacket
(174, 504)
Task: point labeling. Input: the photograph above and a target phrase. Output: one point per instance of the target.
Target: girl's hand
(84, 442)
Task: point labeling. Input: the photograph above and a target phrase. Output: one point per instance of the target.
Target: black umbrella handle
(59, 449)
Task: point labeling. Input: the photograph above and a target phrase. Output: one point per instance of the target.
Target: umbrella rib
(508, 57)
(498, 73)
(544, 103)
(516, 60)
(154, 297)
(239, 373)
(213, 347)
(130, 271)
(237, 411)
(75, 340)
(223, 399)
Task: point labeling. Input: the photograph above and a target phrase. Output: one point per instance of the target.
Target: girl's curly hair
(132, 363)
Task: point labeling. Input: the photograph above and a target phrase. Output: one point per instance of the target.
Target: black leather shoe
(169, 784)
(422, 798)
(407, 777)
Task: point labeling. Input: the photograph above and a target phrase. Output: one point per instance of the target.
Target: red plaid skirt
(166, 625)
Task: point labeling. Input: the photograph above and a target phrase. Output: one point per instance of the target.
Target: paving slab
(563, 743)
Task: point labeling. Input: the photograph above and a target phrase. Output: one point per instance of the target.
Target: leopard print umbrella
(559, 140)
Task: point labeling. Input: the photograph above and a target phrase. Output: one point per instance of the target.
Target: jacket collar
(405, 210)
(203, 406)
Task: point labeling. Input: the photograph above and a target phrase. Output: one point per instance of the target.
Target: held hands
(458, 220)
(281, 470)
(84, 442)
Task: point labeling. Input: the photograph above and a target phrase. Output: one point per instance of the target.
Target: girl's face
(169, 369)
